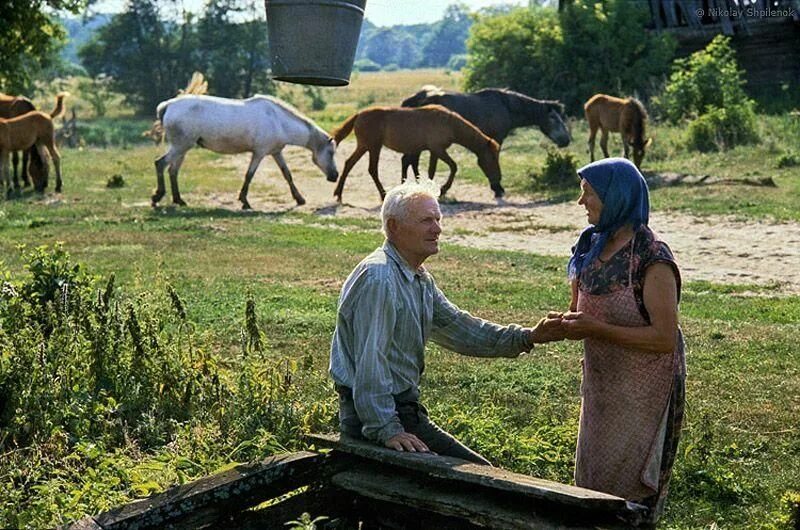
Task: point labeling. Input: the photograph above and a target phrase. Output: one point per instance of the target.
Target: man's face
(416, 235)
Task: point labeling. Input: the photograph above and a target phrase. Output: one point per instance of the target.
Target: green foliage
(590, 47)
(30, 40)
(706, 88)
(448, 37)
(149, 58)
(722, 128)
(559, 171)
(366, 65)
(317, 97)
(108, 132)
(790, 519)
(97, 91)
(115, 181)
(306, 522)
(789, 160)
(91, 378)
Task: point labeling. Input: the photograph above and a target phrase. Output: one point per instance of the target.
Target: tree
(29, 39)
(449, 36)
(147, 59)
(588, 47)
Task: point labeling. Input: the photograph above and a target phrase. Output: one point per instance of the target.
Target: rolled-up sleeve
(373, 322)
(463, 333)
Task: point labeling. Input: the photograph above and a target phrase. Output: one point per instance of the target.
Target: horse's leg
(604, 142)
(174, 167)
(255, 160)
(5, 173)
(453, 168)
(405, 161)
(296, 195)
(432, 165)
(592, 134)
(15, 163)
(374, 158)
(625, 148)
(24, 171)
(415, 164)
(161, 164)
(348, 166)
(54, 154)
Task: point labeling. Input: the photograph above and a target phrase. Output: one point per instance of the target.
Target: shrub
(720, 129)
(317, 97)
(457, 62)
(707, 88)
(366, 65)
(559, 171)
(115, 181)
(789, 160)
(391, 67)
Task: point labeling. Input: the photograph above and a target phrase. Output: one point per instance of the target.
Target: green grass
(740, 450)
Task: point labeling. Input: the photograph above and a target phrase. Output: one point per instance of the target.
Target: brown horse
(11, 107)
(32, 129)
(411, 130)
(625, 116)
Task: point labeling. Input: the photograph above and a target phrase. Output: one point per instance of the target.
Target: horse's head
(639, 145)
(555, 127)
(489, 162)
(322, 155)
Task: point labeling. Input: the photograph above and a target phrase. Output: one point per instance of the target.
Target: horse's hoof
(246, 205)
(300, 201)
(179, 202)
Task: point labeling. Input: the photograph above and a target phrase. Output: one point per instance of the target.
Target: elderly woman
(625, 293)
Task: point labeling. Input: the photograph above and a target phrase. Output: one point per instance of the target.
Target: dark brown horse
(496, 112)
(412, 130)
(625, 116)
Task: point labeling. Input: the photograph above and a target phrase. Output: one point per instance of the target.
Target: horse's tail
(161, 109)
(59, 104)
(639, 119)
(344, 129)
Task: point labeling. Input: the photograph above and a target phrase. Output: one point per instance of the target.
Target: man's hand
(405, 441)
(578, 325)
(547, 329)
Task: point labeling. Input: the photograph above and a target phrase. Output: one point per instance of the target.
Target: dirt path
(714, 248)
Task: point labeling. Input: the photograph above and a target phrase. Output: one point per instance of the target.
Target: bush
(559, 171)
(707, 87)
(789, 160)
(457, 62)
(720, 129)
(366, 65)
(317, 97)
(391, 68)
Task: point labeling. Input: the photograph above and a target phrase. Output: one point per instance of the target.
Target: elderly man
(388, 309)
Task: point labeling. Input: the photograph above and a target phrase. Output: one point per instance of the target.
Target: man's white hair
(395, 204)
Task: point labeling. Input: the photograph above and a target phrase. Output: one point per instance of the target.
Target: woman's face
(590, 200)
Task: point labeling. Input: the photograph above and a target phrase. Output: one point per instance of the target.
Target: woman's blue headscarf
(626, 200)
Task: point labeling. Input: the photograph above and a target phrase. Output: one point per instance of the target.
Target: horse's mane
(291, 110)
(540, 107)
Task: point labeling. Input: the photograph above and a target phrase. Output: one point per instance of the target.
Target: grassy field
(82, 450)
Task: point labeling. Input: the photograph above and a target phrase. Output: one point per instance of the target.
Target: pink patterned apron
(625, 399)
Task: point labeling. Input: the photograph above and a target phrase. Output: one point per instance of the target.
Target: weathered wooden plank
(328, 501)
(490, 477)
(502, 512)
(213, 496)
(87, 523)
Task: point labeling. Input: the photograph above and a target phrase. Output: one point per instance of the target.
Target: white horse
(262, 125)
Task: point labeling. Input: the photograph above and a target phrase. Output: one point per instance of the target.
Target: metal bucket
(313, 42)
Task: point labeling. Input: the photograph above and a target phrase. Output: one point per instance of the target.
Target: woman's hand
(579, 325)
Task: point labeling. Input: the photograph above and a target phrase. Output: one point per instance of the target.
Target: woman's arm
(573, 305)
(661, 301)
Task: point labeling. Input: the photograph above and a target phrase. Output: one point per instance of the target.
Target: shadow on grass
(188, 212)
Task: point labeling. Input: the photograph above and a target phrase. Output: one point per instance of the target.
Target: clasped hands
(572, 325)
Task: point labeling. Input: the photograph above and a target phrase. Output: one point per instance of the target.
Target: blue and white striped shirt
(387, 312)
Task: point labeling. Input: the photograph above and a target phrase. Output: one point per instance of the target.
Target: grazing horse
(11, 107)
(32, 129)
(496, 112)
(625, 116)
(411, 130)
(261, 125)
